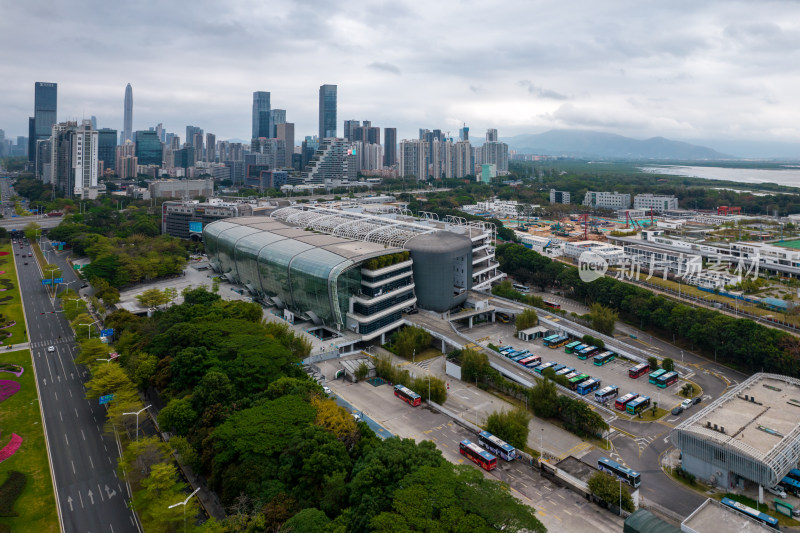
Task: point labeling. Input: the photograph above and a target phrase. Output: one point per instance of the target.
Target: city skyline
(684, 72)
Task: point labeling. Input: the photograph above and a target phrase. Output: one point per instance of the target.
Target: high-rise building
(463, 133)
(276, 116)
(494, 152)
(107, 147)
(285, 133)
(413, 158)
(191, 131)
(127, 128)
(334, 160)
(94, 122)
(491, 135)
(463, 160)
(349, 127)
(211, 148)
(261, 115)
(73, 158)
(389, 147)
(327, 111)
(308, 149)
(84, 148)
(45, 111)
(373, 135)
(148, 148)
(174, 141)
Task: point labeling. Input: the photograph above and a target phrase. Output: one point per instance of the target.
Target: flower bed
(8, 389)
(11, 369)
(10, 448)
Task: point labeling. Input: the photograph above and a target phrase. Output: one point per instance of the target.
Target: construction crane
(724, 210)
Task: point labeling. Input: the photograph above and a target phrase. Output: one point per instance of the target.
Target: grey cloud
(571, 115)
(541, 92)
(384, 67)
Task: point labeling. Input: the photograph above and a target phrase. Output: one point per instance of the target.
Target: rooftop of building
(712, 517)
(760, 417)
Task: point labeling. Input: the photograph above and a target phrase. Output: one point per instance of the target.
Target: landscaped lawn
(10, 303)
(19, 414)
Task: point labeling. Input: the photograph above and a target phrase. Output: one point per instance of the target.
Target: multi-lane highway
(89, 495)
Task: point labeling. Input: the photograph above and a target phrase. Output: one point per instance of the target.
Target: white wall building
(658, 203)
(84, 159)
(559, 197)
(608, 200)
(542, 245)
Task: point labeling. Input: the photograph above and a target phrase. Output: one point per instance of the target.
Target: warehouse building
(751, 434)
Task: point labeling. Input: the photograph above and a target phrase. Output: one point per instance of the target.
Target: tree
(152, 298)
(32, 231)
(543, 398)
(668, 364)
(335, 419)
(410, 340)
(610, 490)
(653, 362)
(511, 426)
(687, 390)
(159, 489)
(603, 318)
(309, 520)
(178, 415)
(51, 271)
(526, 319)
(362, 371)
(474, 366)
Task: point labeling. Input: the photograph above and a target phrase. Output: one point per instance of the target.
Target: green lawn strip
(10, 302)
(20, 414)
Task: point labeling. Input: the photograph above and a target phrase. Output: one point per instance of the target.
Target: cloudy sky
(680, 69)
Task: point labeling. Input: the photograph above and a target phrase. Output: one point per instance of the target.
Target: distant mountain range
(609, 146)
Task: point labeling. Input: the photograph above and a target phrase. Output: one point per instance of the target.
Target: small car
(51, 349)
(326, 390)
(687, 403)
(697, 400)
(30, 255)
(26, 262)
(777, 491)
(357, 417)
(677, 410)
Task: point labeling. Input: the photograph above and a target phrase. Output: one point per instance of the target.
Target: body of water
(789, 176)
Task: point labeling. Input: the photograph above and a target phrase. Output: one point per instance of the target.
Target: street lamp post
(541, 446)
(620, 497)
(107, 361)
(90, 327)
(184, 502)
(137, 421)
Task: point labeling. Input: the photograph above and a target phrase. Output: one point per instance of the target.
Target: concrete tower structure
(127, 128)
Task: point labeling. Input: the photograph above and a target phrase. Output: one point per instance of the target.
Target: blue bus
(549, 338)
(543, 366)
(603, 358)
(521, 355)
(665, 380)
(653, 378)
(637, 405)
(791, 484)
(497, 446)
(586, 352)
(752, 513)
(504, 349)
(558, 367)
(569, 348)
(590, 385)
(631, 477)
(564, 371)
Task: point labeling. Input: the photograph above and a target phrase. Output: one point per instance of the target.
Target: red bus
(623, 401)
(638, 370)
(407, 395)
(477, 455)
(552, 305)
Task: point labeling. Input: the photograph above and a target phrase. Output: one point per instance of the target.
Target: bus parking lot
(614, 372)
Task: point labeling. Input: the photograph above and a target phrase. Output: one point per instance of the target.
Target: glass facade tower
(45, 108)
(327, 111)
(261, 115)
(148, 148)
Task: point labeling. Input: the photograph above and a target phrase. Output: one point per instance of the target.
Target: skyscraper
(127, 128)
(327, 111)
(261, 114)
(349, 129)
(285, 132)
(276, 116)
(211, 148)
(389, 147)
(148, 148)
(45, 108)
(107, 147)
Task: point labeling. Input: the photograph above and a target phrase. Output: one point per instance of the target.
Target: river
(789, 176)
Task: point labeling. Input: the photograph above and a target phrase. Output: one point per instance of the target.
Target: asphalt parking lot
(613, 373)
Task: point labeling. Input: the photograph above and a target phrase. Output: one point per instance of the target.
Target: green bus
(653, 378)
(569, 348)
(577, 380)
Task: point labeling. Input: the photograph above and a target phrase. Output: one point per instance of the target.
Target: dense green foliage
(526, 319)
(10, 490)
(280, 454)
(384, 261)
(511, 426)
(423, 385)
(610, 490)
(576, 414)
(739, 343)
(410, 340)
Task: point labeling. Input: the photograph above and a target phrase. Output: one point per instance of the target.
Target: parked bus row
(632, 403)
(480, 453)
(662, 378)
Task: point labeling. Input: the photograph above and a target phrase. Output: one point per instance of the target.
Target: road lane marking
(66, 439)
(83, 435)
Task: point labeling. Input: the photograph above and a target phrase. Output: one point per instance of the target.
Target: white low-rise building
(608, 200)
(542, 245)
(767, 254)
(573, 250)
(651, 258)
(658, 203)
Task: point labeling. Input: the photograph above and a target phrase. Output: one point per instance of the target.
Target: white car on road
(51, 348)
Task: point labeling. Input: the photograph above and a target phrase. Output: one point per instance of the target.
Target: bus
(588, 386)
(521, 288)
(631, 477)
(513, 353)
(541, 367)
(586, 352)
(477, 455)
(665, 380)
(521, 355)
(497, 446)
(505, 349)
(603, 358)
(655, 375)
(791, 485)
(637, 405)
(571, 375)
(535, 361)
(638, 370)
(622, 402)
(607, 393)
(558, 342)
(577, 380)
(752, 513)
(794, 474)
(552, 305)
(564, 371)
(558, 367)
(569, 348)
(527, 359)
(550, 338)
(407, 395)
